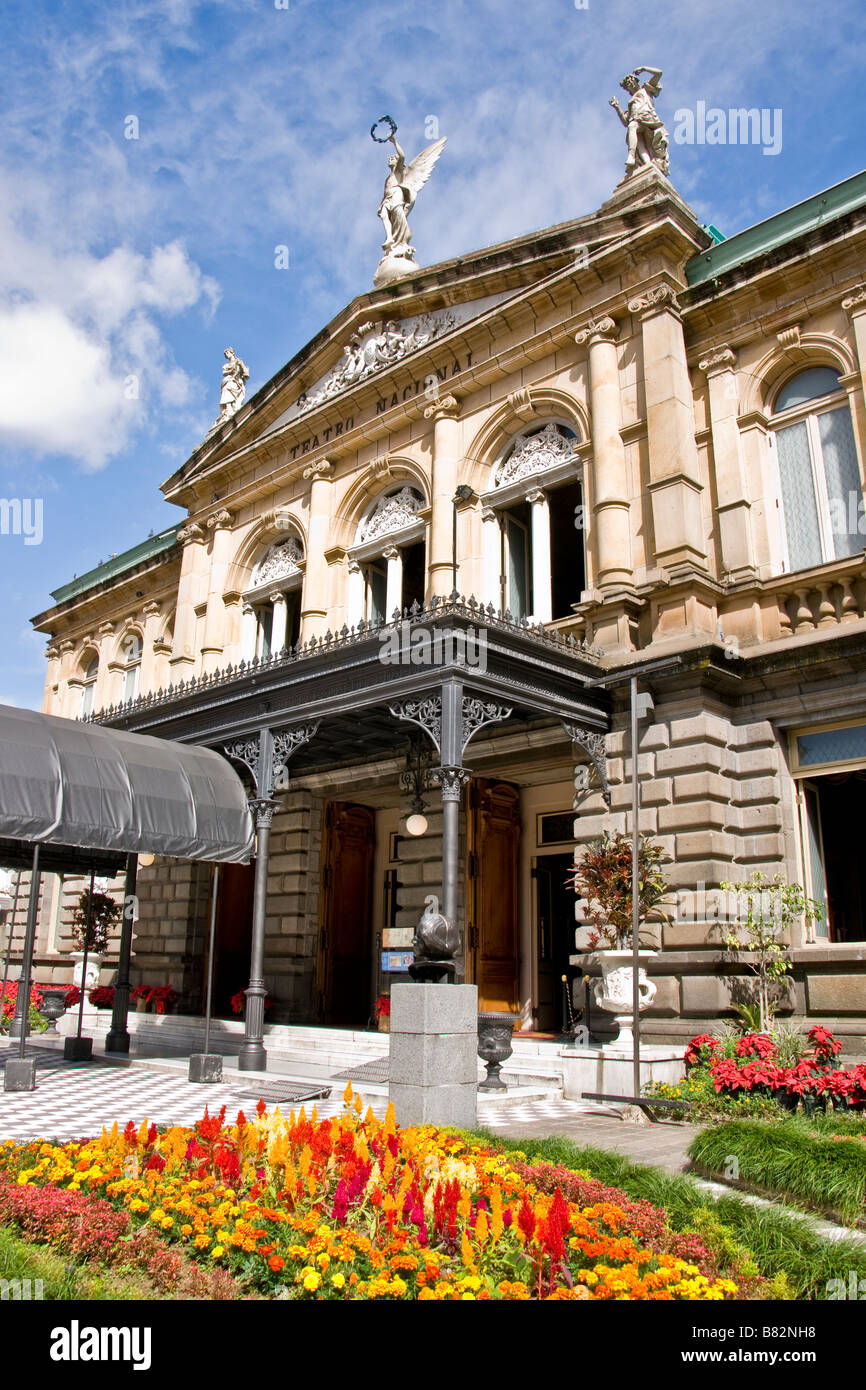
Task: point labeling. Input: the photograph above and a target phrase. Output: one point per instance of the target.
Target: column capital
(192, 534)
(536, 495)
(602, 329)
(278, 597)
(656, 300)
(319, 469)
(52, 653)
(488, 513)
(445, 408)
(104, 630)
(718, 359)
(855, 303)
(220, 521)
(391, 552)
(149, 608)
(452, 780)
(66, 646)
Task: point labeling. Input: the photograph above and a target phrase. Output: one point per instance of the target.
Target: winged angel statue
(402, 186)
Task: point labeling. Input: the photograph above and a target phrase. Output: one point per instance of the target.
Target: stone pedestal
(20, 1074)
(433, 1054)
(609, 1071)
(205, 1067)
(78, 1049)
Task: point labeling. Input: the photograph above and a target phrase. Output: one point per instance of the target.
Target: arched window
(132, 648)
(819, 475)
(533, 526)
(272, 603)
(88, 687)
(388, 564)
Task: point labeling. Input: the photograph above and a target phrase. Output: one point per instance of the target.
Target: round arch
(774, 368)
(504, 426)
(262, 534)
(360, 499)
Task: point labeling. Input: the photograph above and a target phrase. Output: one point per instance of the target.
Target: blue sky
(143, 258)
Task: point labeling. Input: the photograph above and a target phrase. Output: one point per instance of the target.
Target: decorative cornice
(445, 408)
(601, 329)
(654, 300)
(719, 359)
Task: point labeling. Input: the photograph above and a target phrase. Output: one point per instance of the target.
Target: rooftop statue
(646, 135)
(235, 374)
(402, 186)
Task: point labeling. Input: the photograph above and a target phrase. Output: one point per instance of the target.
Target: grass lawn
(62, 1280)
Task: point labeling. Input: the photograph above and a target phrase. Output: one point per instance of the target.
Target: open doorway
(835, 811)
(555, 922)
(346, 915)
(234, 926)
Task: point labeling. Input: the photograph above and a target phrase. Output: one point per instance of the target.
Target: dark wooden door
(346, 912)
(493, 903)
(233, 934)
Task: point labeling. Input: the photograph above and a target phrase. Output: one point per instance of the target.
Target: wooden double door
(345, 965)
(492, 893)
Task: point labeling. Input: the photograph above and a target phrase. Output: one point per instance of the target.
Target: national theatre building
(413, 574)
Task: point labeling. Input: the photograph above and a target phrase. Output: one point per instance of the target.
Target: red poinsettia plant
(755, 1067)
(383, 1006)
(239, 1001)
(163, 997)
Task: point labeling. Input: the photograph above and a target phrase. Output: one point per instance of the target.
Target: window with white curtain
(88, 688)
(819, 472)
(132, 648)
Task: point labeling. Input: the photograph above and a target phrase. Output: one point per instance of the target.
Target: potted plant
(160, 999)
(239, 1002)
(94, 916)
(382, 1010)
(603, 879)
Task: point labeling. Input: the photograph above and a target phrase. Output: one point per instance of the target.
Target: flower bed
(748, 1069)
(360, 1209)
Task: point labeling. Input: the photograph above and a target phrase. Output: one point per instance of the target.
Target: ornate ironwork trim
(594, 746)
(427, 712)
(477, 713)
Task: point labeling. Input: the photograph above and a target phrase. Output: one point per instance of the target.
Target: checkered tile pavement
(76, 1099)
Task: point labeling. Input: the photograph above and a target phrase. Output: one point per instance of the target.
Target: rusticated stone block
(704, 994)
(836, 994)
(701, 728)
(667, 1000)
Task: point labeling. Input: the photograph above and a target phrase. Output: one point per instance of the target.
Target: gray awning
(64, 782)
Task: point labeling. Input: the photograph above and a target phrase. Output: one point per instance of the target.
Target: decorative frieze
(393, 512)
(282, 560)
(546, 449)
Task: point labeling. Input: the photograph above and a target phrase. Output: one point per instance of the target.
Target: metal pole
(118, 1036)
(209, 999)
(453, 550)
(9, 941)
(635, 887)
(23, 1000)
(252, 1056)
(83, 985)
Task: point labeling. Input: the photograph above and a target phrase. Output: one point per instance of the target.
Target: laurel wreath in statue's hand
(383, 139)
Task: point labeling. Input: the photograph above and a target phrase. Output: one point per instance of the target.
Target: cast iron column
(451, 776)
(19, 1027)
(253, 1056)
(118, 1035)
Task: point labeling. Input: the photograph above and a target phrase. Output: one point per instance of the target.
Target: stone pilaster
(610, 485)
(675, 482)
(446, 454)
(148, 680)
(220, 526)
(183, 653)
(736, 546)
(855, 307)
(314, 612)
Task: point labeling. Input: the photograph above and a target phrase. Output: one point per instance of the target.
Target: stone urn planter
(53, 1007)
(494, 1047)
(613, 992)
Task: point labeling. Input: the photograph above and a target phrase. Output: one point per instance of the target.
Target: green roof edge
(776, 230)
(127, 560)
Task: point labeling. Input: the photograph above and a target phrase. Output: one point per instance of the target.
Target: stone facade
(606, 392)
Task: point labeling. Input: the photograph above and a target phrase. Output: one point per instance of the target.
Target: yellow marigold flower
(338, 1280)
(312, 1281)
(217, 1251)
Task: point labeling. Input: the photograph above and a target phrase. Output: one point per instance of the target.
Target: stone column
(394, 587)
(355, 602)
(446, 458)
(491, 549)
(249, 628)
(278, 623)
(314, 610)
(220, 525)
(675, 482)
(66, 650)
(610, 483)
(737, 551)
(542, 604)
(52, 677)
(183, 654)
(108, 689)
(147, 680)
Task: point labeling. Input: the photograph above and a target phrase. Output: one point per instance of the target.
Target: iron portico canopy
(79, 785)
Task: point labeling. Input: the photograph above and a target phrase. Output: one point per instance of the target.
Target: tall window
(388, 563)
(819, 475)
(533, 544)
(88, 689)
(132, 648)
(272, 603)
